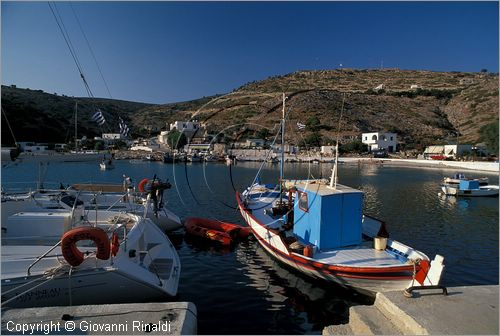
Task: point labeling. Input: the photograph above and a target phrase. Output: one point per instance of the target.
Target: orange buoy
(71, 252)
(142, 184)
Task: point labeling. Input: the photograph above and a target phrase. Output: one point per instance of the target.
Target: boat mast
(333, 179)
(76, 121)
(282, 163)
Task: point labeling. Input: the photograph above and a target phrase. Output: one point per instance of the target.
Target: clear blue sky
(160, 52)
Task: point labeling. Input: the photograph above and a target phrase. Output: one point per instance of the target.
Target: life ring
(141, 185)
(115, 244)
(73, 255)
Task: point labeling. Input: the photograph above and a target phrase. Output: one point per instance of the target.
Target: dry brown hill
(423, 107)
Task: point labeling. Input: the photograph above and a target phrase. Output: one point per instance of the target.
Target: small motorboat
(461, 177)
(470, 188)
(221, 232)
(106, 165)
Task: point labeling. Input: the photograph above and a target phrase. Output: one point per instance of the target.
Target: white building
(327, 150)
(380, 140)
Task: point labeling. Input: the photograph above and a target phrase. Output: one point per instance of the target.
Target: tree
(355, 146)
(313, 124)
(176, 139)
(312, 140)
(263, 133)
(489, 135)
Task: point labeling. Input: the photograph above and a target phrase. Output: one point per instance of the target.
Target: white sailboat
(93, 197)
(133, 262)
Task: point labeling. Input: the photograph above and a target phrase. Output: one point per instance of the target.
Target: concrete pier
(468, 310)
(171, 318)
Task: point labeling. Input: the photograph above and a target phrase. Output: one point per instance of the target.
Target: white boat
(471, 188)
(133, 262)
(455, 180)
(318, 228)
(94, 197)
(210, 158)
(193, 158)
(106, 164)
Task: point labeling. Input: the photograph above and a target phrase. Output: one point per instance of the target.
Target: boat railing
(43, 256)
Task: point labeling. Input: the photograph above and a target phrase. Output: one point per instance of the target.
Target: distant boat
(193, 158)
(106, 164)
(471, 188)
(461, 177)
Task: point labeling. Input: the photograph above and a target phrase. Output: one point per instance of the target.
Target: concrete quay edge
(466, 310)
(159, 318)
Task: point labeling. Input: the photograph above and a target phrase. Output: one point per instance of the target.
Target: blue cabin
(328, 218)
(469, 184)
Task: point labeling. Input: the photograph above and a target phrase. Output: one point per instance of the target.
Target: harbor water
(241, 290)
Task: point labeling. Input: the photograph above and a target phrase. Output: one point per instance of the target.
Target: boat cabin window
(303, 204)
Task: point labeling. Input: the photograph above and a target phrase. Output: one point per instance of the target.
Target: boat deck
(363, 255)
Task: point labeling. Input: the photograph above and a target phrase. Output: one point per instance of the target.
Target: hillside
(38, 116)
(443, 104)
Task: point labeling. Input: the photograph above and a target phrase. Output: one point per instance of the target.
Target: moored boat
(455, 180)
(471, 188)
(106, 164)
(132, 262)
(317, 227)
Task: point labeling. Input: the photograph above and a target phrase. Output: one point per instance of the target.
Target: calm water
(242, 291)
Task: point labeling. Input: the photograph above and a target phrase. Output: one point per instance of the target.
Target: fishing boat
(132, 261)
(455, 180)
(317, 227)
(471, 188)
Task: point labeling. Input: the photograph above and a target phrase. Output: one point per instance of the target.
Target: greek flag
(300, 126)
(123, 128)
(98, 118)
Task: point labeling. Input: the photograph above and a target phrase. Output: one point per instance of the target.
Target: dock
(466, 310)
(170, 318)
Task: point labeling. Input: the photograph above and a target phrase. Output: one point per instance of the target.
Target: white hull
(488, 190)
(145, 268)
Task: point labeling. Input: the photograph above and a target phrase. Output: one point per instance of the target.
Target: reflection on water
(242, 291)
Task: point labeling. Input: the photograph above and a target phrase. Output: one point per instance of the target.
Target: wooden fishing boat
(317, 227)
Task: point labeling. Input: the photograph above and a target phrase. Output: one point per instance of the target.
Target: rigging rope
(91, 50)
(10, 128)
(72, 51)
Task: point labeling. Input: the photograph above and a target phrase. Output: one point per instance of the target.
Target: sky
(163, 52)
